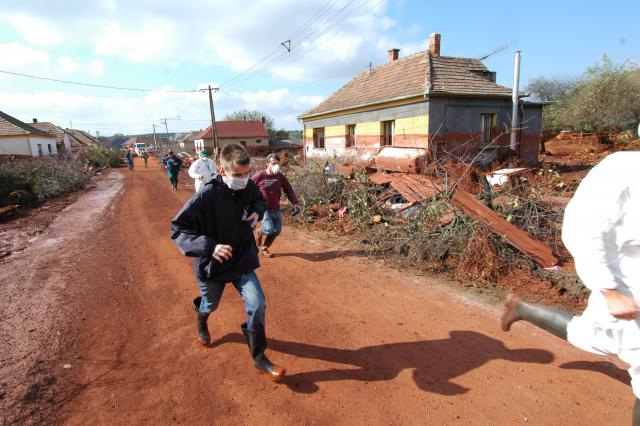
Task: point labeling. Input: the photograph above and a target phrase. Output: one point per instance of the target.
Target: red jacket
(271, 187)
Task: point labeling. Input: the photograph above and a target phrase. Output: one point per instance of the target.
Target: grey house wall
(455, 126)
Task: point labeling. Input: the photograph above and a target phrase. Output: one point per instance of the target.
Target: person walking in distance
(601, 230)
(215, 228)
(172, 163)
(128, 158)
(203, 170)
(145, 157)
(271, 183)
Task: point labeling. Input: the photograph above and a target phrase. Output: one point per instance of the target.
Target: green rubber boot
(552, 320)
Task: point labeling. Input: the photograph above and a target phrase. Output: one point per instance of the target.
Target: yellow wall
(308, 132)
(413, 125)
(371, 128)
(335, 131)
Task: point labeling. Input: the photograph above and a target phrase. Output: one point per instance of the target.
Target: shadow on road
(605, 367)
(323, 257)
(434, 362)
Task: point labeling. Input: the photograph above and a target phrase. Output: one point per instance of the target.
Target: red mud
(362, 343)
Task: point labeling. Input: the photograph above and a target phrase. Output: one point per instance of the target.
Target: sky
(173, 49)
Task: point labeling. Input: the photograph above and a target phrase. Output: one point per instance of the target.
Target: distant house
(81, 140)
(19, 138)
(445, 106)
(63, 140)
(251, 134)
(188, 141)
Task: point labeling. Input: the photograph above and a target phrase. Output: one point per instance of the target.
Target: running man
(128, 157)
(601, 230)
(215, 228)
(271, 183)
(172, 163)
(203, 170)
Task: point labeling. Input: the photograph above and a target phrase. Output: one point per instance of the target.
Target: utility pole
(154, 136)
(166, 129)
(213, 119)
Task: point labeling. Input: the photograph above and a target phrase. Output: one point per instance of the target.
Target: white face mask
(236, 184)
(275, 168)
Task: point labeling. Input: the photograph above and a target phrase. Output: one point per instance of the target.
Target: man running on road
(215, 228)
(203, 170)
(271, 183)
(601, 229)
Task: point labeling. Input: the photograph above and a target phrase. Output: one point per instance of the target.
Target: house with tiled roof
(81, 140)
(63, 142)
(251, 134)
(19, 138)
(445, 106)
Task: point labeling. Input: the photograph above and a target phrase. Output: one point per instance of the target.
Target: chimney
(434, 43)
(35, 120)
(393, 54)
(262, 119)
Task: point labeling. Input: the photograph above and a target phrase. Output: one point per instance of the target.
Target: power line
(94, 85)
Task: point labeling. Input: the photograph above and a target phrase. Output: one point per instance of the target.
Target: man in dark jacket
(215, 227)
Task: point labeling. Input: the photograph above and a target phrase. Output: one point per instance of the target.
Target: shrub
(44, 177)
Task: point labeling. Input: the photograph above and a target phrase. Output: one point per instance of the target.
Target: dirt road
(361, 343)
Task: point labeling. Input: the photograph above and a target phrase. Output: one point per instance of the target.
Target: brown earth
(98, 329)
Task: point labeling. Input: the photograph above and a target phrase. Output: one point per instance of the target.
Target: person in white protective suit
(203, 169)
(601, 230)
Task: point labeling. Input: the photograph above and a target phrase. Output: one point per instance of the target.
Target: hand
(254, 219)
(297, 206)
(222, 253)
(621, 306)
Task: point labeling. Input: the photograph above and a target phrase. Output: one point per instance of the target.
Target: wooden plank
(538, 251)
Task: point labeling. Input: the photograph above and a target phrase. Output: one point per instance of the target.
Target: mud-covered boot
(257, 342)
(552, 320)
(636, 413)
(204, 338)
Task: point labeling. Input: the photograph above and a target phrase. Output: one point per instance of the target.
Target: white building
(19, 138)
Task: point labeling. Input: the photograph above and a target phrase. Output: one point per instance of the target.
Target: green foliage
(606, 98)
(105, 158)
(44, 177)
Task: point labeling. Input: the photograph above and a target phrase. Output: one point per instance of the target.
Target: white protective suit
(601, 229)
(202, 170)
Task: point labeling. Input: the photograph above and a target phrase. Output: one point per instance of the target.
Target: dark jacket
(215, 216)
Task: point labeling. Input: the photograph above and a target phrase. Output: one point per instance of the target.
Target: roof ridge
(22, 125)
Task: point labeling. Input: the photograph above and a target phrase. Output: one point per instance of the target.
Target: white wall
(15, 145)
(46, 143)
(67, 142)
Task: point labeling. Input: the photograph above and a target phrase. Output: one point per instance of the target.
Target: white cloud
(67, 65)
(152, 38)
(14, 56)
(136, 114)
(35, 30)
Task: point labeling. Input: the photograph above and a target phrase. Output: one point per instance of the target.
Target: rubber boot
(257, 342)
(204, 338)
(636, 413)
(267, 243)
(552, 320)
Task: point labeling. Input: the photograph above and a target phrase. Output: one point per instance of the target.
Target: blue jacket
(214, 216)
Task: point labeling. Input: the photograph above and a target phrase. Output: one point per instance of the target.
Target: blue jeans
(272, 223)
(249, 288)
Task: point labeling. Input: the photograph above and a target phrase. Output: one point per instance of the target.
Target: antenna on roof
(287, 45)
(498, 50)
(370, 67)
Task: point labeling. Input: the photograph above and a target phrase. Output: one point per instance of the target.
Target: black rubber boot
(636, 413)
(257, 342)
(269, 240)
(552, 320)
(204, 338)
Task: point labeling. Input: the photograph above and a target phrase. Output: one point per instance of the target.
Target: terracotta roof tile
(418, 74)
(50, 128)
(11, 126)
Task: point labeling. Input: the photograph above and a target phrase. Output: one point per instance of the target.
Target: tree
(606, 98)
(251, 115)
